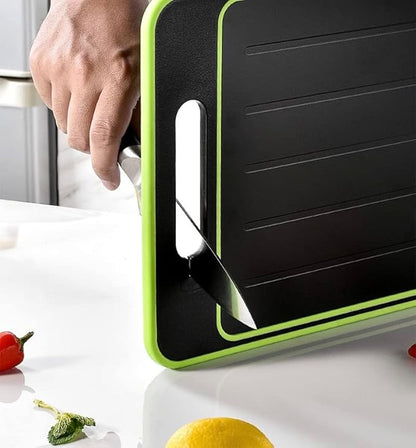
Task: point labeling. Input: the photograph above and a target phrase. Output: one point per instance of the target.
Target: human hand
(85, 66)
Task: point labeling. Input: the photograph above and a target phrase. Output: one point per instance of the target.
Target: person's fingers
(111, 118)
(80, 112)
(42, 84)
(44, 89)
(60, 103)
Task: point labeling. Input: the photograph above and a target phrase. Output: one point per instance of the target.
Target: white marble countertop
(74, 277)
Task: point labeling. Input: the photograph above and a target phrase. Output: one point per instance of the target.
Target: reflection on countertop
(110, 440)
(353, 390)
(12, 385)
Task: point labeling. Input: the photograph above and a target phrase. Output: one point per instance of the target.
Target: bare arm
(85, 66)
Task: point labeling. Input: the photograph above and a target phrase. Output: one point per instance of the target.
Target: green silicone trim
(219, 117)
(148, 140)
(149, 216)
(315, 317)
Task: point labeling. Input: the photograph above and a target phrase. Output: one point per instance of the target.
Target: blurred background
(36, 164)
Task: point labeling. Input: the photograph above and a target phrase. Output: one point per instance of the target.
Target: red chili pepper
(11, 349)
(412, 351)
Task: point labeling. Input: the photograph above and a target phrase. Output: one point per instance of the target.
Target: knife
(204, 265)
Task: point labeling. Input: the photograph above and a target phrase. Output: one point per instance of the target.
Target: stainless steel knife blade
(205, 267)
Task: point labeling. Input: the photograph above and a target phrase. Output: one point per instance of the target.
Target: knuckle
(82, 65)
(46, 63)
(126, 67)
(56, 66)
(34, 59)
(102, 133)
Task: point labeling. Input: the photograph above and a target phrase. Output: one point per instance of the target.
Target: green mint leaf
(72, 434)
(68, 427)
(86, 421)
(61, 426)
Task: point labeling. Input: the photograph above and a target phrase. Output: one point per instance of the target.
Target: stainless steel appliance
(27, 132)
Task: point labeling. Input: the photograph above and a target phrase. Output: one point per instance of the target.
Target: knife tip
(245, 317)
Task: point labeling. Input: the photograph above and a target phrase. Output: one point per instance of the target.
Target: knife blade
(205, 267)
(207, 270)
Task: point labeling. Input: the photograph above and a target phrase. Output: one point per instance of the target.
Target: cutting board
(308, 166)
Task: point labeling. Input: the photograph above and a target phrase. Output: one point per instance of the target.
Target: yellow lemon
(219, 433)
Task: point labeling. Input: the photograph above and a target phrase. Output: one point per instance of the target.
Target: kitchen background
(36, 164)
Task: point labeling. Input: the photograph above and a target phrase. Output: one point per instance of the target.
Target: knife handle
(129, 139)
(129, 159)
(130, 148)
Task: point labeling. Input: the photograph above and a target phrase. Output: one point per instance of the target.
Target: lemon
(219, 433)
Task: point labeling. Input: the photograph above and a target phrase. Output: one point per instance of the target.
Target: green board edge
(148, 141)
(219, 118)
(148, 118)
(320, 316)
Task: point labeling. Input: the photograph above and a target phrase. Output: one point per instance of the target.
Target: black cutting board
(309, 152)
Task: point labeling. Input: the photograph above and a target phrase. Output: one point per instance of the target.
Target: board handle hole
(190, 131)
